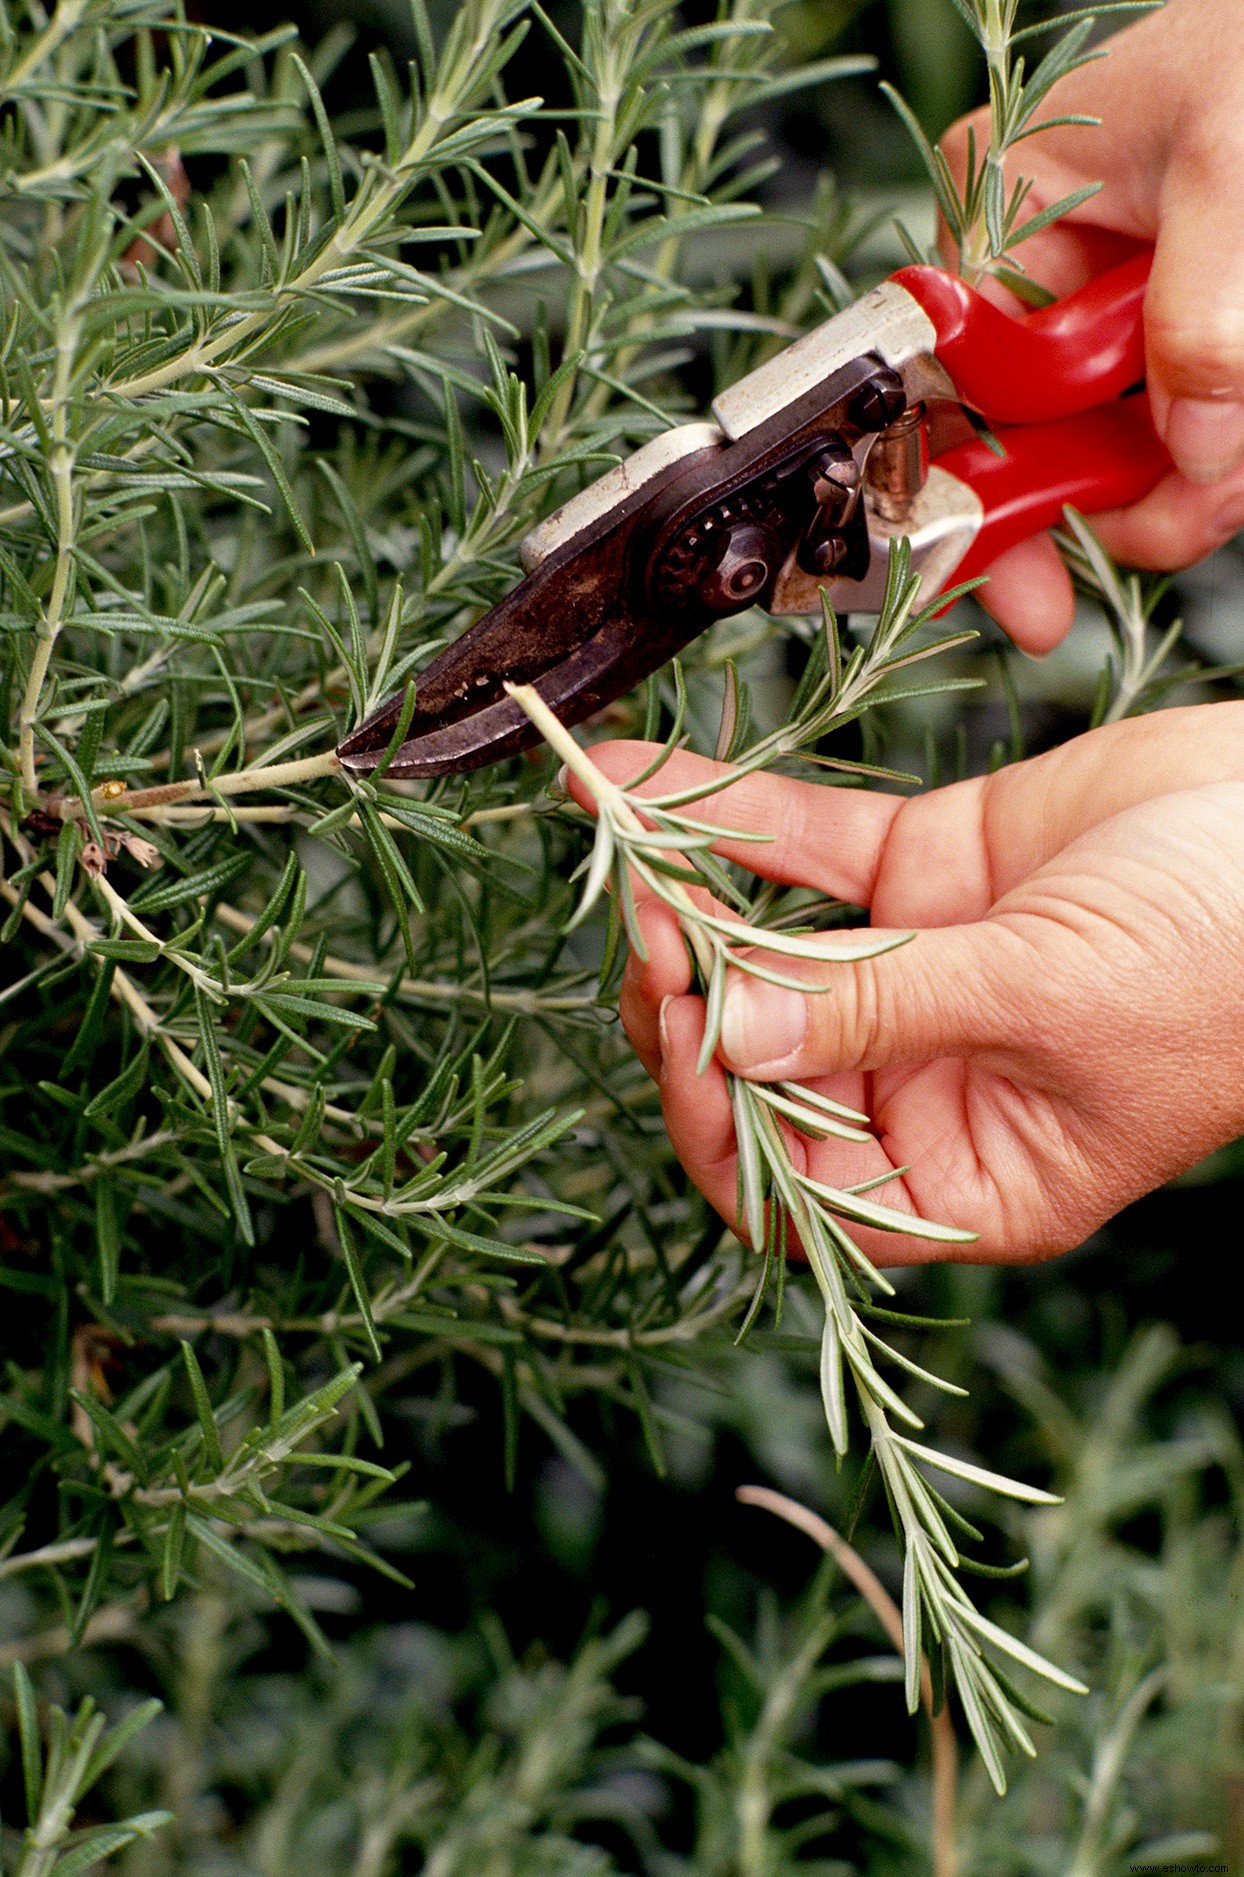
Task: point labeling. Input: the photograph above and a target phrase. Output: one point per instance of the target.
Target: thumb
(953, 991)
(1194, 308)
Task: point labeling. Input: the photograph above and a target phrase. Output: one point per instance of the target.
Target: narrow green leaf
(979, 1475)
(1011, 1645)
(642, 1404)
(220, 1114)
(32, 1743)
(833, 1398)
(107, 1238)
(114, 1743)
(203, 1409)
(67, 847)
(90, 1030)
(207, 882)
(172, 1552)
(276, 1378)
(400, 728)
(911, 1630)
(358, 1283)
(111, 1433)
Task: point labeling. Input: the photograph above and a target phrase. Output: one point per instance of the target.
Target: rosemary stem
(64, 21)
(60, 468)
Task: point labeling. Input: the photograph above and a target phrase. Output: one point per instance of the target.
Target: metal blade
(578, 628)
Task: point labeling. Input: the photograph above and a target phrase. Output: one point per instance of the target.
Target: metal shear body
(812, 468)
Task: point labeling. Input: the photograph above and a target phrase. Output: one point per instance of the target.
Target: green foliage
(79, 1751)
(413, 1742)
(1138, 673)
(985, 215)
(217, 554)
(314, 1117)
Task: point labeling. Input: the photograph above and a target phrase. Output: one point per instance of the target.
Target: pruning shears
(813, 467)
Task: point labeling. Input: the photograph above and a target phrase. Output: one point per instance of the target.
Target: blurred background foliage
(606, 1664)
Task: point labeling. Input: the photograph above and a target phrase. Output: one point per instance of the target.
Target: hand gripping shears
(813, 467)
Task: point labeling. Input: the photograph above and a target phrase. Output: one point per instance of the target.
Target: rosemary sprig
(652, 841)
(986, 217)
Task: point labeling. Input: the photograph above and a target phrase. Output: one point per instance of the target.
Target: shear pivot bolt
(743, 567)
(879, 401)
(835, 483)
(898, 465)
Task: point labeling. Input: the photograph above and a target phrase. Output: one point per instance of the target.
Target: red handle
(1065, 358)
(1103, 458)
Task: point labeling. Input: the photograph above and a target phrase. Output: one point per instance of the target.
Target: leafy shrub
(314, 1116)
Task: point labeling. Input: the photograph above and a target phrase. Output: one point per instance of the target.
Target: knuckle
(845, 1019)
(1173, 527)
(1178, 540)
(1201, 348)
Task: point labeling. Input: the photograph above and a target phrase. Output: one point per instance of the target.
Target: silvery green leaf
(913, 1368)
(832, 1396)
(999, 1703)
(907, 1486)
(980, 1476)
(819, 1251)
(1011, 1645)
(729, 713)
(813, 1098)
(754, 969)
(721, 832)
(968, 1673)
(714, 1004)
(598, 872)
(809, 1120)
(911, 1629)
(675, 838)
(750, 1168)
(854, 1254)
(867, 1377)
(630, 915)
(819, 949)
(882, 1218)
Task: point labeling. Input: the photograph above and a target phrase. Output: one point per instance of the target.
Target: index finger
(805, 834)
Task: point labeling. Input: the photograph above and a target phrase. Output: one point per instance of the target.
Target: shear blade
(578, 650)
(578, 629)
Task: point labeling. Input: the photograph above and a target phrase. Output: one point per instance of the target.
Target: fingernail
(761, 1024)
(1205, 436)
(561, 781)
(662, 1031)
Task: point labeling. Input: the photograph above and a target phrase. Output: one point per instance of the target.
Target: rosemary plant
(311, 1105)
(253, 1005)
(80, 1750)
(1139, 672)
(985, 213)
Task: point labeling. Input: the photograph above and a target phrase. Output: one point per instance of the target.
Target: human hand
(1064, 1033)
(1169, 152)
